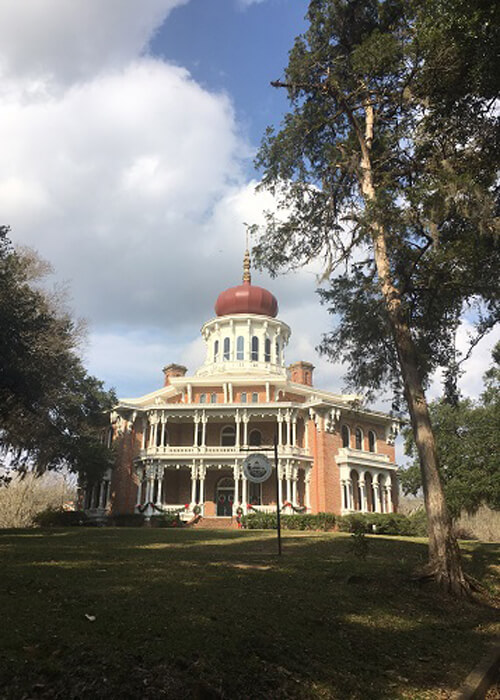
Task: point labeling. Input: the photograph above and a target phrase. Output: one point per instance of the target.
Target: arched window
(227, 348)
(255, 439)
(203, 398)
(255, 348)
(346, 436)
(372, 441)
(243, 397)
(213, 398)
(359, 438)
(216, 350)
(277, 348)
(228, 436)
(255, 397)
(267, 350)
(158, 435)
(240, 348)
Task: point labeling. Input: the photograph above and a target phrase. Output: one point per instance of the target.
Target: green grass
(209, 614)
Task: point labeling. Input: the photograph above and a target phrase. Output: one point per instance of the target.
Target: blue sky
(239, 49)
(128, 134)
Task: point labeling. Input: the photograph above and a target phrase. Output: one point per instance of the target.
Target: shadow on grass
(218, 614)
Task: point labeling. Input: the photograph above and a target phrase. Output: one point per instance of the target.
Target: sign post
(278, 514)
(257, 469)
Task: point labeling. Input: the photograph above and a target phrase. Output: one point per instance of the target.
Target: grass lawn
(215, 614)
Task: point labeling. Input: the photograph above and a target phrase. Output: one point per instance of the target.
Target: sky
(128, 134)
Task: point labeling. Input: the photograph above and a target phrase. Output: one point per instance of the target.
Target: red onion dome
(246, 298)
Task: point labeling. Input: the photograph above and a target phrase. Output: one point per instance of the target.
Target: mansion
(181, 448)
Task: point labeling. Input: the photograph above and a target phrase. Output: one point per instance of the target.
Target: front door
(225, 497)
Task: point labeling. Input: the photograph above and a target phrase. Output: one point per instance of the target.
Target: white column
(202, 471)
(155, 432)
(195, 433)
(390, 505)
(288, 433)
(244, 491)
(345, 497)
(230, 387)
(294, 431)
(350, 494)
(144, 434)
(139, 491)
(376, 498)
(163, 426)
(190, 393)
(245, 429)
(193, 483)
(224, 386)
(268, 392)
(295, 477)
(204, 429)
(159, 478)
(238, 423)
(101, 495)
(362, 488)
(307, 494)
(151, 434)
(288, 483)
(236, 475)
(280, 485)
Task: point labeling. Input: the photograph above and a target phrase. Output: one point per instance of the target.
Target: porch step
(216, 523)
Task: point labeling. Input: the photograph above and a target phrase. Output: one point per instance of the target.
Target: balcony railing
(218, 450)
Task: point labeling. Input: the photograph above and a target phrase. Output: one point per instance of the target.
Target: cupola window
(267, 350)
(216, 350)
(277, 348)
(255, 349)
(240, 348)
(227, 348)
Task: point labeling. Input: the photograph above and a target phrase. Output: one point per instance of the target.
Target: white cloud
(62, 41)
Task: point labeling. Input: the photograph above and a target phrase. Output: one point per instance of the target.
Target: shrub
(166, 520)
(299, 521)
(127, 520)
(56, 517)
(414, 525)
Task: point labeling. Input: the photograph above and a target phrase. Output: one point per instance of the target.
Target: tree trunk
(444, 555)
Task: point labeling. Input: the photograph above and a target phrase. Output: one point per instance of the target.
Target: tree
(387, 172)
(51, 411)
(467, 443)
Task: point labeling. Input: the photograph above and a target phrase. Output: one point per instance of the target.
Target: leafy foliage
(51, 411)
(430, 85)
(267, 521)
(467, 440)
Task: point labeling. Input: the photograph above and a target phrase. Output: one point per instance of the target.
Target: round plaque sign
(257, 468)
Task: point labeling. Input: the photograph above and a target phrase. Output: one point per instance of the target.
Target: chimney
(173, 370)
(301, 373)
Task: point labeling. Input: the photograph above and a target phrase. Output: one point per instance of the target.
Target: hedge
(302, 521)
(57, 517)
(414, 525)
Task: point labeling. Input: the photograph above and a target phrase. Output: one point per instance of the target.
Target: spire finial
(247, 277)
